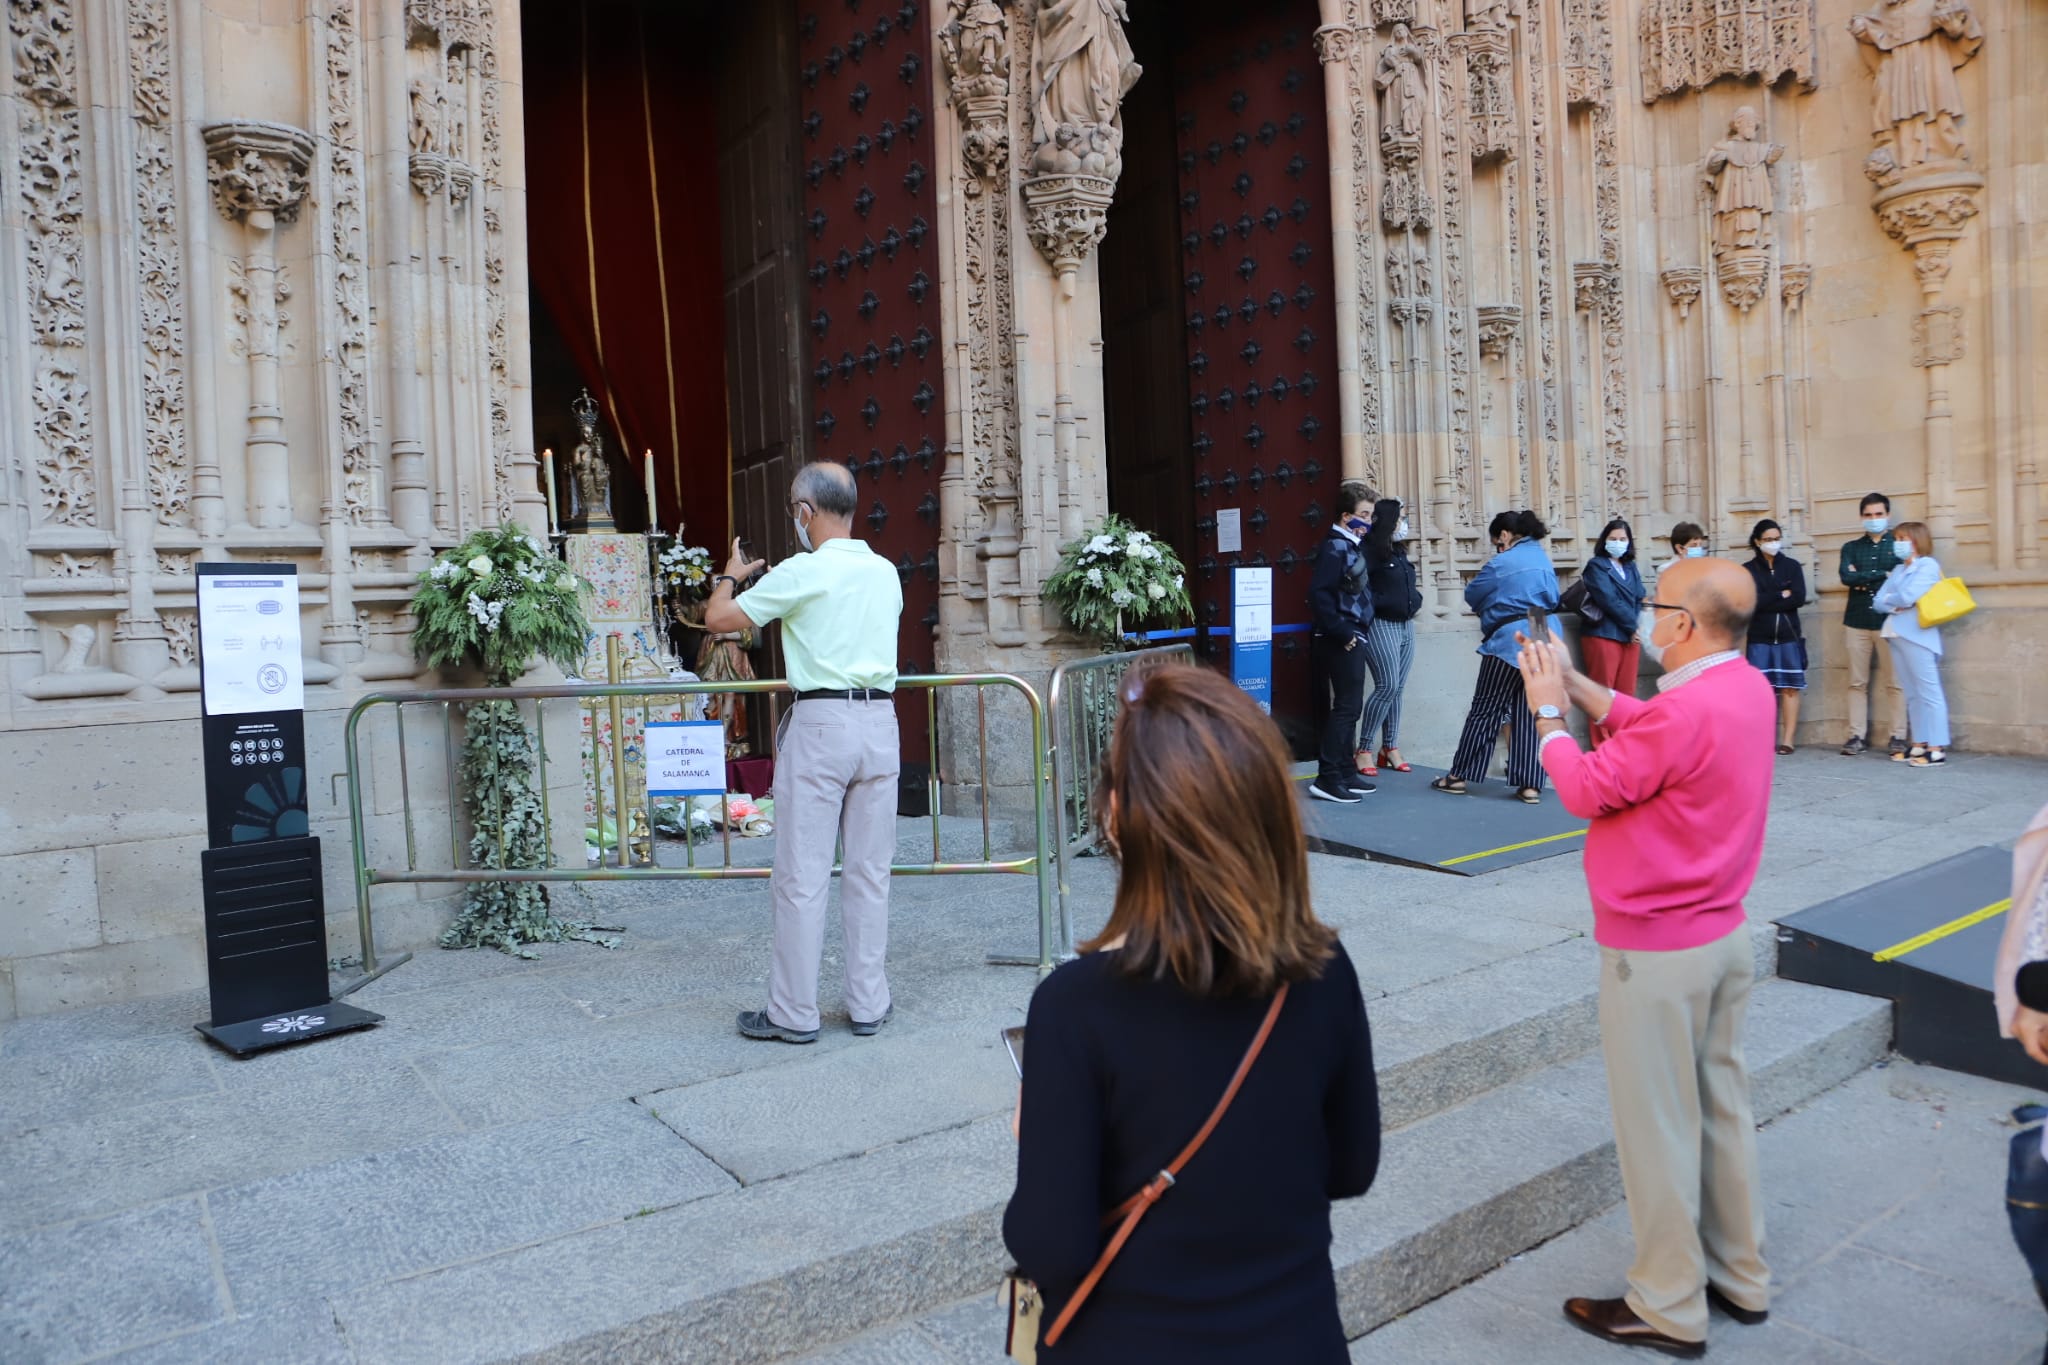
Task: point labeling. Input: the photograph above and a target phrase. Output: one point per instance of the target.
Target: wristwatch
(725, 578)
(1548, 712)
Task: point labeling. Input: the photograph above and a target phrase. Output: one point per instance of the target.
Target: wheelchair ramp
(1405, 822)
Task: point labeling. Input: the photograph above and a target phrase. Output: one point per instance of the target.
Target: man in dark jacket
(1865, 562)
(1341, 614)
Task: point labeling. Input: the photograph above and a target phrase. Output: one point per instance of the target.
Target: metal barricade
(1083, 699)
(618, 696)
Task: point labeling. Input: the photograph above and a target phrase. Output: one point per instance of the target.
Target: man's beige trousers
(1866, 648)
(1671, 1029)
(835, 780)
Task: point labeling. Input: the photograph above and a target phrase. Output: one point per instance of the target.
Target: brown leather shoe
(1748, 1317)
(1614, 1320)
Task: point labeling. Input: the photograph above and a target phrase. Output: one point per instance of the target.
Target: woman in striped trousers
(1520, 579)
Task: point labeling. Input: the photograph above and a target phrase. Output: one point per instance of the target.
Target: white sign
(1230, 531)
(685, 758)
(249, 648)
(1252, 622)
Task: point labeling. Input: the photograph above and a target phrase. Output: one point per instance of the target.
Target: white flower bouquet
(498, 600)
(686, 569)
(1117, 578)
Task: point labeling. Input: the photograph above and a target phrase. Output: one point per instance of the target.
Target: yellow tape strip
(1899, 950)
(1511, 848)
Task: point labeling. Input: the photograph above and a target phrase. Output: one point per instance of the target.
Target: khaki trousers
(1866, 647)
(836, 763)
(1671, 1028)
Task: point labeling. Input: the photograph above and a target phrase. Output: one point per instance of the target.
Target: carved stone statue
(1082, 69)
(425, 120)
(1404, 90)
(1913, 48)
(1738, 172)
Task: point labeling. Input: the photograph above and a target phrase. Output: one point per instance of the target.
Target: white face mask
(1770, 547)
(1646, 626)
(803, 531)
(1401, 531)
(1617, 548)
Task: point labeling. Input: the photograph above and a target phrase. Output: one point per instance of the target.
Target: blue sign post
(1251, 634)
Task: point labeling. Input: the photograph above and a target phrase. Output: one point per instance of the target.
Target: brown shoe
(1614, 1320)
(1748, 1317)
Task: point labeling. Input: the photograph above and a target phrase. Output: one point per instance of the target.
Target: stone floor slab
(59, 1301)
(40, 1085)
(307, 1335)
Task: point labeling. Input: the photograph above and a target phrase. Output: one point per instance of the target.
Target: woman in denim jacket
(1916, 649)
(1518, 579)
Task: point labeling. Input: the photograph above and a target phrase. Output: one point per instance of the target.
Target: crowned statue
(590, 471)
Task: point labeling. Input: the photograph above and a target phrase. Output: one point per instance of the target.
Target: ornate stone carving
(1535, 41)
(1351, 54)
(1793, 283)
(1683, 283)
(64, 565)
(1590, 282)
(160, 295)
(450, 23)
(1387, 13)
(1738, 174)
(1081, 69)
(1403, 87)
(975, 44)
(1490, 113)
(1408, 271)
(1938, 336)
(1690, 44)
(1588, 53)
(1913, 48)
(240, 315)
(1067, 215)
(1614, 386)
(346, 233)
(498, 347)
(45, 51)
(181, 630)
(1743, 279)
(257, 167)
(1336, 44)
(1498, 324)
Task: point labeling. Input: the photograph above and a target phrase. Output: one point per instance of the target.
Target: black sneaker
(1898, 744)
(1361, 786)
(1854, 747)
(1342, 796)
(873, 1026)
(756, 1024)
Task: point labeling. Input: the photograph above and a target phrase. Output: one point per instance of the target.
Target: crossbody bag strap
(1135, 1208)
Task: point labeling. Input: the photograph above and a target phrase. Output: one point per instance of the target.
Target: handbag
(1949, 600)
(1027, 1305)
(1578, 599)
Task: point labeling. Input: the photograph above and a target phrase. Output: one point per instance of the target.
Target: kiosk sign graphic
(266, 925)
(1251, 634)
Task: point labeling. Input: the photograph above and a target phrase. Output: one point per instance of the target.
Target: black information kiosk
(266, 929)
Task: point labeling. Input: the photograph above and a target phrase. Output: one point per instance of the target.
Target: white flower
(485, 611)
(1140, 537)
(566, 581)
(1177, 580)
(1095, 578)
(1123, 597)
(481, 566)
(1101, 545)
(1157, 591)
(443, 570)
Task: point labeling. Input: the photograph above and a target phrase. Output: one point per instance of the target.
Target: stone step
(1464, 1188)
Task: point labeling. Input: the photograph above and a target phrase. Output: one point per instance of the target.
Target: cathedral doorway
(1219, 330)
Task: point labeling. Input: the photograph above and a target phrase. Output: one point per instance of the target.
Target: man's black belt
(845, 694)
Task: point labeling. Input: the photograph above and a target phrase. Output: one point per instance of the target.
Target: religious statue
(1738, 172)
(1913, 48)
(1083, 68)
(976, 46)
(588, 466)
(1405, 92)
(425, 118)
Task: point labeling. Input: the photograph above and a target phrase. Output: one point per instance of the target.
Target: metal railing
(617, 696)
(1083, 698)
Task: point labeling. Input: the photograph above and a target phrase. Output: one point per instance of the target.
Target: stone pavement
(576, 1157)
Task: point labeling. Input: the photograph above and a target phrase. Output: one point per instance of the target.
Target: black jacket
(1777, 615)
(1337, 604)
(1389, 581)
(1619, 597)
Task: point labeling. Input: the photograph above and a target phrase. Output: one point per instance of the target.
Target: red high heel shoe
(1365, 763)
(1386, 760)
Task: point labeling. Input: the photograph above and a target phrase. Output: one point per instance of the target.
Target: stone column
(1337, 47)
(258, 174)
(1683, 283)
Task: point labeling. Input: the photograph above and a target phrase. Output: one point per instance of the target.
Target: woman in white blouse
(1916, 649)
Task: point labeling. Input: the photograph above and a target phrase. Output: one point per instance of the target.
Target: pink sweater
(1678, 797)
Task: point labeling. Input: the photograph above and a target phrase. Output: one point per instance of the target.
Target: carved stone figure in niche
(1738, 172)
(1913, 48)
(1404, 91)
(976, 45)
(451, 108)
(1083, 69)
(426, 126)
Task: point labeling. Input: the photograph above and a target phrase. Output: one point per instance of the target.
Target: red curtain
(622, 183)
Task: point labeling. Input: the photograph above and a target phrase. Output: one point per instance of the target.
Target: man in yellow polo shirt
(836, 755)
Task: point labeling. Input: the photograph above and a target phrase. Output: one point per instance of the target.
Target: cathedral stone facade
(263, 297)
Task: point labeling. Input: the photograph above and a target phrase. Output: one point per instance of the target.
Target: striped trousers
(1497, 700)
(1389, 653)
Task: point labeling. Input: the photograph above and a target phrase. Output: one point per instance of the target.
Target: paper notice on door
(249, 645)
(1230, 531)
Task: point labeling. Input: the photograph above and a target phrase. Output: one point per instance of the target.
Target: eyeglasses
(1667, 606)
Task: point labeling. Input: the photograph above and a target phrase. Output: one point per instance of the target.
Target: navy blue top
(1233, 1264)
(1390, 581)
(1617, 590)
(1516, 579)
(1777, 615)
(1337, 605)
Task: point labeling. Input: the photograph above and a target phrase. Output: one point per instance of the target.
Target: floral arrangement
(498, 600)
(1116, 578)
(687, 571)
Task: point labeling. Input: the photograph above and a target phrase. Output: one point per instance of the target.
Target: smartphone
(1013, 1039)
(1539, 625)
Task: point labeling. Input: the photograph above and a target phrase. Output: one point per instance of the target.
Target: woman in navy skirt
(1776, 647)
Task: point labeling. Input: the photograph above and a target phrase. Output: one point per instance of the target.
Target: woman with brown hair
(1133, 1044)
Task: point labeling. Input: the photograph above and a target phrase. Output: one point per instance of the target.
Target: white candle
(547, 464)
(653, 519)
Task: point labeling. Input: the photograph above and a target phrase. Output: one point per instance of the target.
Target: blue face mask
(1358, 525)
(1903, 549)
(1696, 552)
(1877, 526)
(1617, 548)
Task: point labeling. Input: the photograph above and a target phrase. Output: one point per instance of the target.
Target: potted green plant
(1116, 578)
(499, 602)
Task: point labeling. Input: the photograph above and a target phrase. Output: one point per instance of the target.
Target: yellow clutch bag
(1949, 600)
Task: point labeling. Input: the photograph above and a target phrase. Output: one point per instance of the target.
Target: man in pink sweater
(1677, 796)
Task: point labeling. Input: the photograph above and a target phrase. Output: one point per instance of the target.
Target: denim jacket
(1513, 581)
(1903, 588)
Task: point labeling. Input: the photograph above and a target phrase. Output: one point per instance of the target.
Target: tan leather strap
(1135, 1208)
